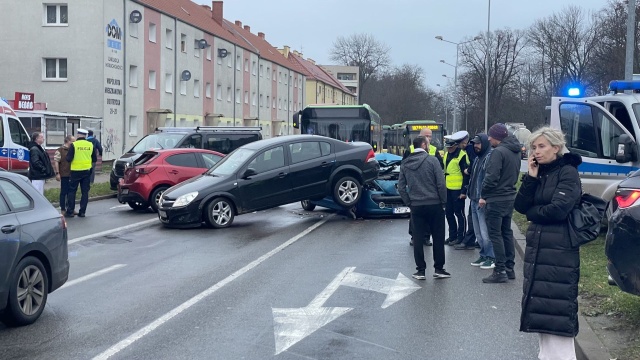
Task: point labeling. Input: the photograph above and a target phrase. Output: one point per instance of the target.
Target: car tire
(220, 213)
(307, 205)
(347, 191)
(155, 197)
(137, 205)
(32, 281)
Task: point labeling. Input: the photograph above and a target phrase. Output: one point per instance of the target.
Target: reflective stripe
(453, 175)
(83, 150)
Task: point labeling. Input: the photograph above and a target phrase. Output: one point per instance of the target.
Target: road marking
(92, 275)
(117, 207)
(294, 324)
(107, 232)
(194, 300)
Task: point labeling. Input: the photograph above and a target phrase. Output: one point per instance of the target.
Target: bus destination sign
(420, 127)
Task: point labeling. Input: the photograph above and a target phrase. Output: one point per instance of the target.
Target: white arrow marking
(396, 289)
(294, 324)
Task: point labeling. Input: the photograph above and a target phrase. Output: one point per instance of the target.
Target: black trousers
(426, 217)
(83, 179)
(64, 190)
(456, 220)
(470, 236)
(498, 217)
(427, 236)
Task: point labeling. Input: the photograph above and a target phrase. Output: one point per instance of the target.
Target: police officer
(456, 163)
(81, 154)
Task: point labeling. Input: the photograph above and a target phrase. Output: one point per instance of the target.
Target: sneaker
(419, 275)
(479, 262)
(429, 243)
(463, 247)
(67, 215)
(441, 274)
(496, 277)
(81, 215)
(511, 274)
(488, 264)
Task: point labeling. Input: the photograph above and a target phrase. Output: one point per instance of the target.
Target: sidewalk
(588, 345)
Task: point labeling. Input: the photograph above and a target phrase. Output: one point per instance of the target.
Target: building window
(229, 93)
(261, 70)
(168, 83)
(133, 125)
(273, 103)
(295, 82)
(196, 88)
(238, 63)
(152, 32)
(246, 97)
(237, 96)
(183, 43)
(133, 76)
(196, 46)
(133, 30)
(274, 75)
(253, 69)
(253, 99)
(183, 88)
(56, 15)
(55, 69)
(168, 38)
(152, 80)
(229, 61)
(268, 101)
(246, 65)
(209, 53)
(268, 72)
(183, 122)
(346, 76)
(280, 77)
(207, 91)
(279, 104)
(261, 101)
(219, 92)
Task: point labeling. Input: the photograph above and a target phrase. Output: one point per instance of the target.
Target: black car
(222, 139)
(623, 236)
(270, 173)
(34, 259)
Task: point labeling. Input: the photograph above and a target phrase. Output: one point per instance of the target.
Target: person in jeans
(483, 149)
(469, 242)
(40, 168)
(62, 169)
(498, 195)
(422, 188)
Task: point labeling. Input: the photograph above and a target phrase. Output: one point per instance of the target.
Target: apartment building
(349, 76)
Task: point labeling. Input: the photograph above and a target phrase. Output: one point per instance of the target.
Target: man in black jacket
(98, 147)
(40, 168)
(498, 195)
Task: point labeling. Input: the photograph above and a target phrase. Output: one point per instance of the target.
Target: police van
(604, 131)
(14, 141)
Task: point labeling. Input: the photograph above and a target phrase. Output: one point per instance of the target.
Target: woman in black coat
(549, 191)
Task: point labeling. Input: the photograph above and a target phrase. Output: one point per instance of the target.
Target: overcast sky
(409, 27)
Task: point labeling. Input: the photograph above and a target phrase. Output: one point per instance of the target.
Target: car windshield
(157, 141)
(232, 162)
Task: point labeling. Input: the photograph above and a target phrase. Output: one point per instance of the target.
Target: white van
(14, 154)
(604, 131)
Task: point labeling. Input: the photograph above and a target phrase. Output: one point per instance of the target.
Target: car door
(311, 166)
(271, 185)
(9, 243)
(181, 167)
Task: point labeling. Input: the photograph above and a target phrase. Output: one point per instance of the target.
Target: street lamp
(455, 76)
(486, 75)
(446, 111)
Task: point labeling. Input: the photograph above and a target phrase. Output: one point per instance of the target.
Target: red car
(156, 171)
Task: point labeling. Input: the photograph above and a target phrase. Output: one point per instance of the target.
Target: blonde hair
(554, 136)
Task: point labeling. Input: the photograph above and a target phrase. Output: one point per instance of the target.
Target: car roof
(260, 144)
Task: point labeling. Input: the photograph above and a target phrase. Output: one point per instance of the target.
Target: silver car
(33, 250)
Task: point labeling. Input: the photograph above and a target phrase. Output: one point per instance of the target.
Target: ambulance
(14, 153)
(604, 131)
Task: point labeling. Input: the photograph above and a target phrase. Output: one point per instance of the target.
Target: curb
(588, 345)
(95, 198)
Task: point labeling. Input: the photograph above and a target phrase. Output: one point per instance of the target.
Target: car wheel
(307, 205)
(27, 294)
(137, 205)
(220, 213)
(347, 191)
(154, 199)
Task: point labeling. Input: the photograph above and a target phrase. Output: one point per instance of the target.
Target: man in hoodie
(40, 168)
(482, 149)
(422, 188)
(498, 195)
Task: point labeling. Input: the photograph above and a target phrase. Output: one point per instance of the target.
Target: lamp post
(455, 75)
(446, 112)
(486, 75)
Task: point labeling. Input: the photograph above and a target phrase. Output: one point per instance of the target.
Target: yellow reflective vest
(453, 175)
(432, 150)
(83, 149)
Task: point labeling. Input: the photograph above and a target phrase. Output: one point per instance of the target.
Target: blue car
(380, 197)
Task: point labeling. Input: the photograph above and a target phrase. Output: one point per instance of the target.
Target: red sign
(24, 101)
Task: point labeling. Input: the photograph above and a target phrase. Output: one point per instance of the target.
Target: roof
(316, 72)
(261, 46)
(54, 113)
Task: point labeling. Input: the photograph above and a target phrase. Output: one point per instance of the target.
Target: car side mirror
(248, 173)
(625, 150)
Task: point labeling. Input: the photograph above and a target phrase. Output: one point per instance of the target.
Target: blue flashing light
(573, 91)
(622, 85)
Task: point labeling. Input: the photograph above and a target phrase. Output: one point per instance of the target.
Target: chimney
(295, 52)
(311, 61)
(286, 51)
(216, 12)
(261, 35)
(246, 27)
(238, 23)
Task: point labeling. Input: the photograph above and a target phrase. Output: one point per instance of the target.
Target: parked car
(622, 245)
(222, 139)
(379, 197)
(270, 173)
(155, 171)
(33, 250)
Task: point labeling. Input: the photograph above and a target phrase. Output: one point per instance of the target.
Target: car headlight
(185, 199)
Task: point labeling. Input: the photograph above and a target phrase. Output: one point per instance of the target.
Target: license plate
(125, 191)
(162, 214)
(401, 210)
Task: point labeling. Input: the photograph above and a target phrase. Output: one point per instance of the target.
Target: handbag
(585, 219)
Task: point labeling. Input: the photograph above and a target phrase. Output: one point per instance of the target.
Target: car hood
(201, 184)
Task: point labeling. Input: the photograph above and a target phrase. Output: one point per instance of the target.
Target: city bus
(408, 130)
(341, 122)
(386, 133)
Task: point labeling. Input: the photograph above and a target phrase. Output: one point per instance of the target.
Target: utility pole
(631, 27)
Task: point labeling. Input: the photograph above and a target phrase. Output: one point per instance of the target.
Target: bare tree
(364, 51)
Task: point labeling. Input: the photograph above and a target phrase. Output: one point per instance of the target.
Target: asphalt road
(282, 283)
